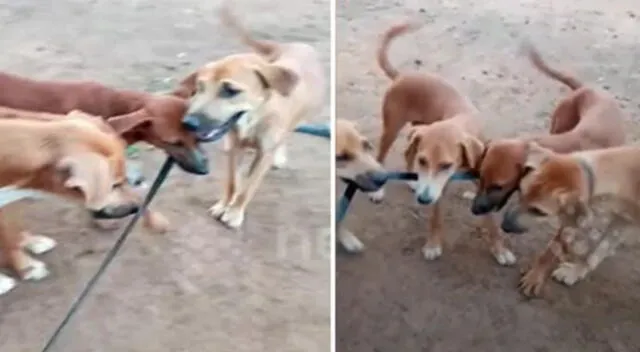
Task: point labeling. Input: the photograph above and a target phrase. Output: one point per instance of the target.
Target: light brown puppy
(353, 158)
(587, 118)
(76, 157)
(570, 187)
(446, 139)
(272, 91)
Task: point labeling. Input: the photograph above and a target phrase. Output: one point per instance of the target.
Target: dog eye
(445, 166)
(117, 185)
(422, 161)
(227, 91)
(536, 211)
(344, 157)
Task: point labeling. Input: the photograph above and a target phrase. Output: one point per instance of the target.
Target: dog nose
(511, 224)
(425, 198)
(193, 122)
(115, 211)
(481, 205)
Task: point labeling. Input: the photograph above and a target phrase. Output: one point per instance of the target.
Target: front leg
(557, 250)
(234, 214)
(496, 241)
(230, 181)
(434, 238)
(11, 243)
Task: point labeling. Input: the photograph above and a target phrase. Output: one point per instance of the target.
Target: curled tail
(540, 64)
(264, 47)
(388, 36)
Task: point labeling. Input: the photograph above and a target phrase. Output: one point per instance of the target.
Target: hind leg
(565, 117)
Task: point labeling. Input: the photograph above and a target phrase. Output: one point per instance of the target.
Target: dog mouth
(207, 129)
(115, 212)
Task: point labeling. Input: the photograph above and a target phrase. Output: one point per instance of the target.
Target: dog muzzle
(207, 129)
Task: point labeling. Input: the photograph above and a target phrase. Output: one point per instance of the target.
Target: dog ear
(89, 174)
(536, 156)
(279, 78)
(126, 123)
(472, 150)
(412, 149)
(187, 86)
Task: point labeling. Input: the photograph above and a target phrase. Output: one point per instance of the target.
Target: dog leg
(6, 284)
(234, 215)
(496, 241)
(557, 250)
(36, 244)
(155, 221)
(349, 241)
(389, 135)
(230, 182)
(11, 238)
(433, 246)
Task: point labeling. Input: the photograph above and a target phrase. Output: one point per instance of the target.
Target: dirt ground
(390, 298)
(200, 287)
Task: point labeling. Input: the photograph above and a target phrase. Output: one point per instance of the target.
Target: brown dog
(271, 91)
(136, 116)
(76, 157)
(446, 139)
(353, 159)
(588, 118)
(570, 187)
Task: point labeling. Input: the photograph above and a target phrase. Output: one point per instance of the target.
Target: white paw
(37, 244)
(37, 271)
(413, 185)
(350, 242)
(280, 158)
(569, 273)
(431, 253)
(376, 196)
(218, 209)
(505, 257)
(233, 217)
(6, 284)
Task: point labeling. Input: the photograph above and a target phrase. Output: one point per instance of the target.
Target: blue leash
(210, 135)
(318, 130)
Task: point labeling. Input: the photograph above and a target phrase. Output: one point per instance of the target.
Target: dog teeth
(6, 284)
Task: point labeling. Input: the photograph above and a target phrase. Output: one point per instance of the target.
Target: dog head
(437, 152)
(553, 185)
(354, 157)
(90, 167)
(236, 87)
(159, 123)
(499, 174)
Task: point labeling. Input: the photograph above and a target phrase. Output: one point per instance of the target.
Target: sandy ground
(200, 287)
(390, 298)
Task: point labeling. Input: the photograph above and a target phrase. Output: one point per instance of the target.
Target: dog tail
(388, 36)
(264, 47)
(540, 64)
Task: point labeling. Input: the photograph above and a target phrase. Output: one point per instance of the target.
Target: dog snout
(481, 204)
(192, 160)
(367, 183)
(115, 211)
(511, 223)
(425, 198)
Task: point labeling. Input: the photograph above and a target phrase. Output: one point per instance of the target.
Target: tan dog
(76, 157)
(353, 159)
(271, 91)
(587, 118)
(570, 187)
(445, 140)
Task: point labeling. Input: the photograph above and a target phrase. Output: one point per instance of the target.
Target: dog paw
(531, 282)
(504, 257)
(156, 222)
(6, 284)
(569, 273)
(350, 242)
(279, 159)
(377, 196)
(233, 217)
(218, 209)
(35, 271)
(37, 244)
(430, 252)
